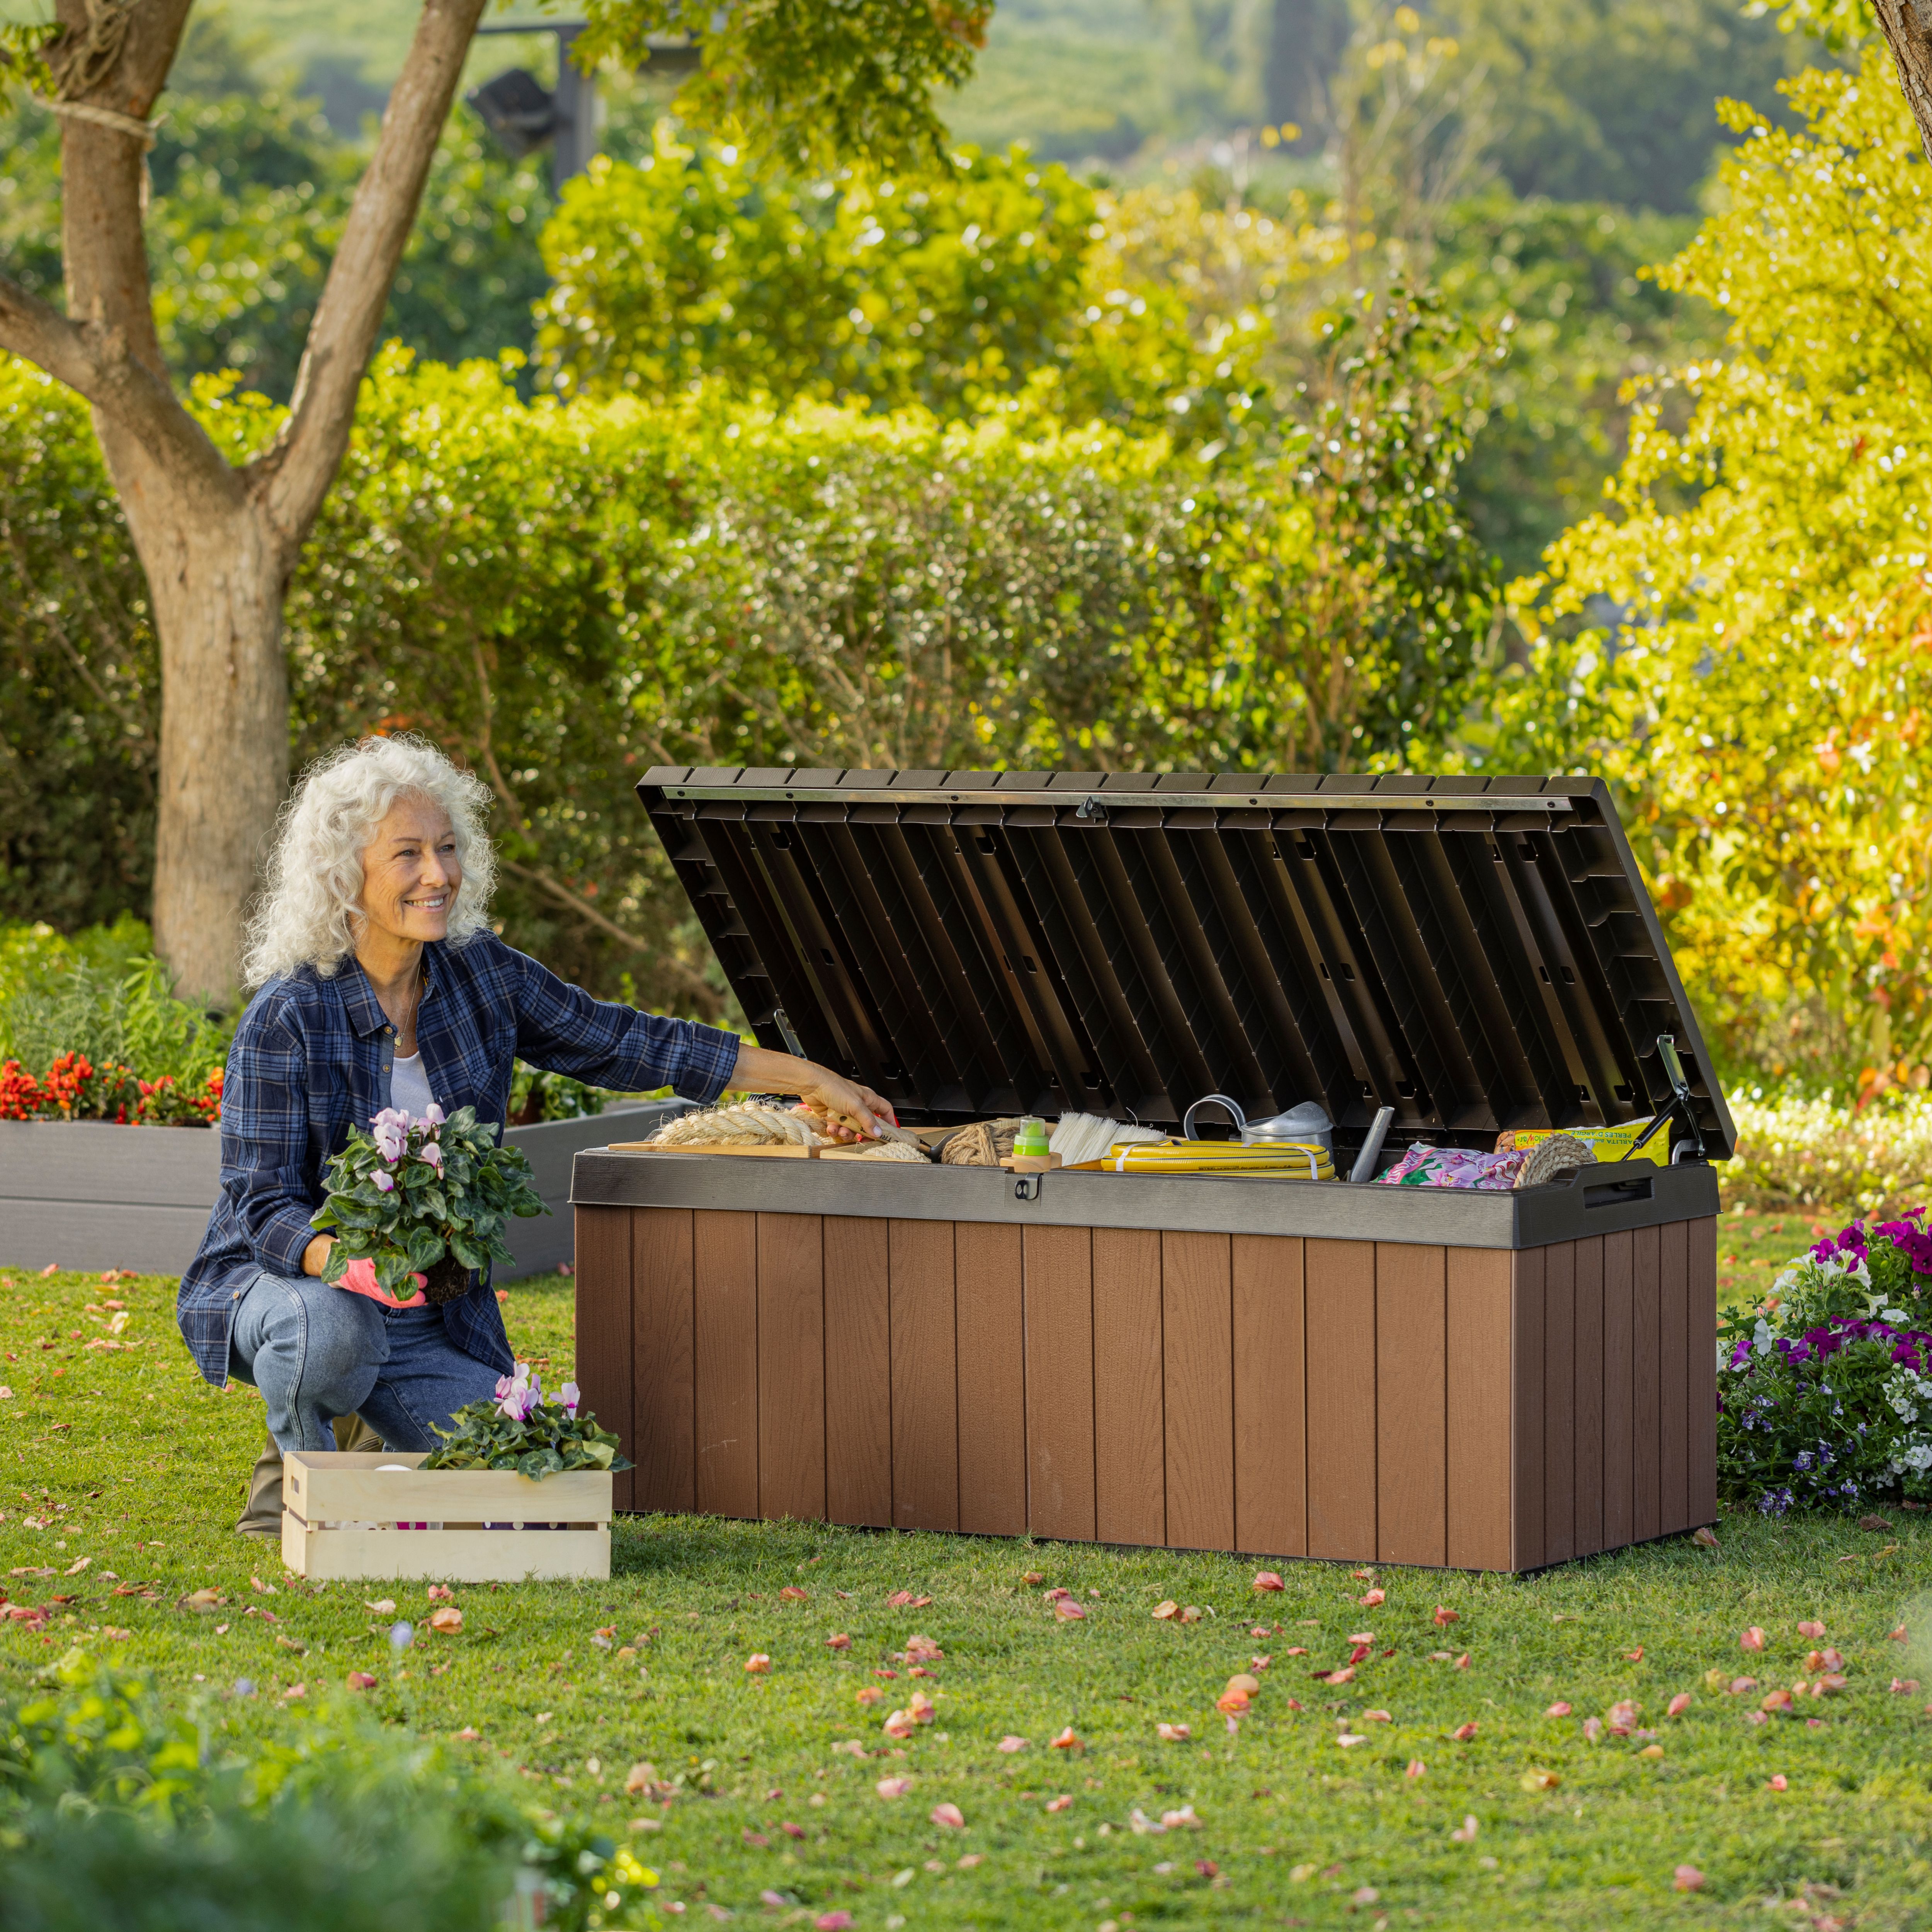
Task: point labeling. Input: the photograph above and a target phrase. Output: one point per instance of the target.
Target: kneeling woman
(381, 985)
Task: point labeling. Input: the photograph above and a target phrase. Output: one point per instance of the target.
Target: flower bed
(1817, 1154)
(1825, 1392)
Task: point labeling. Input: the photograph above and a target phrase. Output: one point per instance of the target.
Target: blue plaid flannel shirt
(312, 1057)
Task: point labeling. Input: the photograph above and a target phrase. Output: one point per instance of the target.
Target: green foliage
(1568, 286)
(537, 1094)
(1761, 690)
(116, 1810)
(79, 672)
(849, 80)
(944, 290)
(523, 1429)
(414, 1192)
(104, 996)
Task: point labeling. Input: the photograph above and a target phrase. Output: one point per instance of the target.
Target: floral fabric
(1455, 1167)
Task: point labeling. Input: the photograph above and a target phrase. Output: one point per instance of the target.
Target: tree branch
(96, 362)
(295, 474)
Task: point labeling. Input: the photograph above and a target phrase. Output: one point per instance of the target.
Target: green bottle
(1029, 1143)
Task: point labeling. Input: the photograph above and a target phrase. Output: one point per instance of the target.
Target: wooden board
(334, 1486)
(604, 1309)
(791, 1367)
(1700, 1350)
(1340, 1297)
(1588, 1279)
(1673, 1370)
(785, 1153)
(1478, 1437)
(1527, 1370)
(1270, 1380)
(1197, 1324)
(663, 1361)
(925, 1388)
(1129, 1404)
(858, 1372)
(450, 1555)
(1059, 1273)
(1412, 1388)
(1619, 1392)
(1646, 1387)
(1559, 1403)
(725, 1269)
(990, 1326)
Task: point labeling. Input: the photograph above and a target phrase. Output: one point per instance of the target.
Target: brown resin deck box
(1482, 1381)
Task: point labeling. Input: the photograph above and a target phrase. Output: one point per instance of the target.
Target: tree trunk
(217, 583)
(1907, 25)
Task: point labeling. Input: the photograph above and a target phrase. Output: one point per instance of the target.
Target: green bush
(114, 1812)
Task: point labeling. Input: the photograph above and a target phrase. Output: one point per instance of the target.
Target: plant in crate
(426, 1200)
(523, 1429)
(1825, 1392)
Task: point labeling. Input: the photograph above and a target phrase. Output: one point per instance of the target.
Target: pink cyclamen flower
(390, 1140)
(570, 1395)
(386, 1183)
(432, 1153)
(433, 1115)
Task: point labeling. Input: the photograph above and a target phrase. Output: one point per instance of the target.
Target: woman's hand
(843, 1103)
(315, 1256)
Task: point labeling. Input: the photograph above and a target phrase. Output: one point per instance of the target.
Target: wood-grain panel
(1528, 1315)
(1619, 1395)
(1270, 1389)
(1478, 1326)
(1058, 1264)
(1589, 1395)
(858, 1371)
(926, 1387)
(1646, 1429)
(1197, 1342)
(791, 1367)
(604, 1318)
(1412, 1394)
(1129, 1403)
(1701, 1382)
(1673, 1373)
(663, 1357)
(991, 1328)
(1339, 1294)
(1559, 1402)
(725, 1327)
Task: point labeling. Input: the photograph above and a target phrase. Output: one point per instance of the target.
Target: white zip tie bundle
(747, 1124)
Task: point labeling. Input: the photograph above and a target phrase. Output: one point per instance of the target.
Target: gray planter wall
(85, 1194)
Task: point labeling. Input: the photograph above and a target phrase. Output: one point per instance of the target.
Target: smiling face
(410, 873)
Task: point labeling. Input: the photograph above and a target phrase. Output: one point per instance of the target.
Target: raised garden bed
(87, 1194)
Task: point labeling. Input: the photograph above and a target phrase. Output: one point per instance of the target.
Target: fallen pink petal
(1687, 1878)
(893, 1787)
(948, 1815)
(1010, 1743)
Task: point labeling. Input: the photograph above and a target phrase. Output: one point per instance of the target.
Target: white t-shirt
(408, 1086)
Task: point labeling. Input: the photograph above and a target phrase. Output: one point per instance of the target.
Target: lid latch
(1092, 809)
(1026, 1187)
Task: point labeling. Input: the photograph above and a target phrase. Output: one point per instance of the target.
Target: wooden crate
(330, 1500)
(1360, 1400)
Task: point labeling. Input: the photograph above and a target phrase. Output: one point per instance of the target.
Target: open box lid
(1477, 953)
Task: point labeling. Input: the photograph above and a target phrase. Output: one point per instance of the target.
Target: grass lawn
(120, 1474)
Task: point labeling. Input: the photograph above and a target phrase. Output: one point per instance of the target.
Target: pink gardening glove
(359, 1278)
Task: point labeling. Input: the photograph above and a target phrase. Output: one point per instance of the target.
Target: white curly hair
(311, 900)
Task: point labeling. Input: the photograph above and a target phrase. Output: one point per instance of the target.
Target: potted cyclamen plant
(425, 1200)
(523, 1429)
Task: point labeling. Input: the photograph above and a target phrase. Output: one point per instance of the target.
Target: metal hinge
(1026, 1187)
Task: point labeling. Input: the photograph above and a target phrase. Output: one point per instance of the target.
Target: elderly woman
(381, 984)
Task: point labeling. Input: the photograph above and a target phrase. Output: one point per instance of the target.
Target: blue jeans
(317, 1352)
